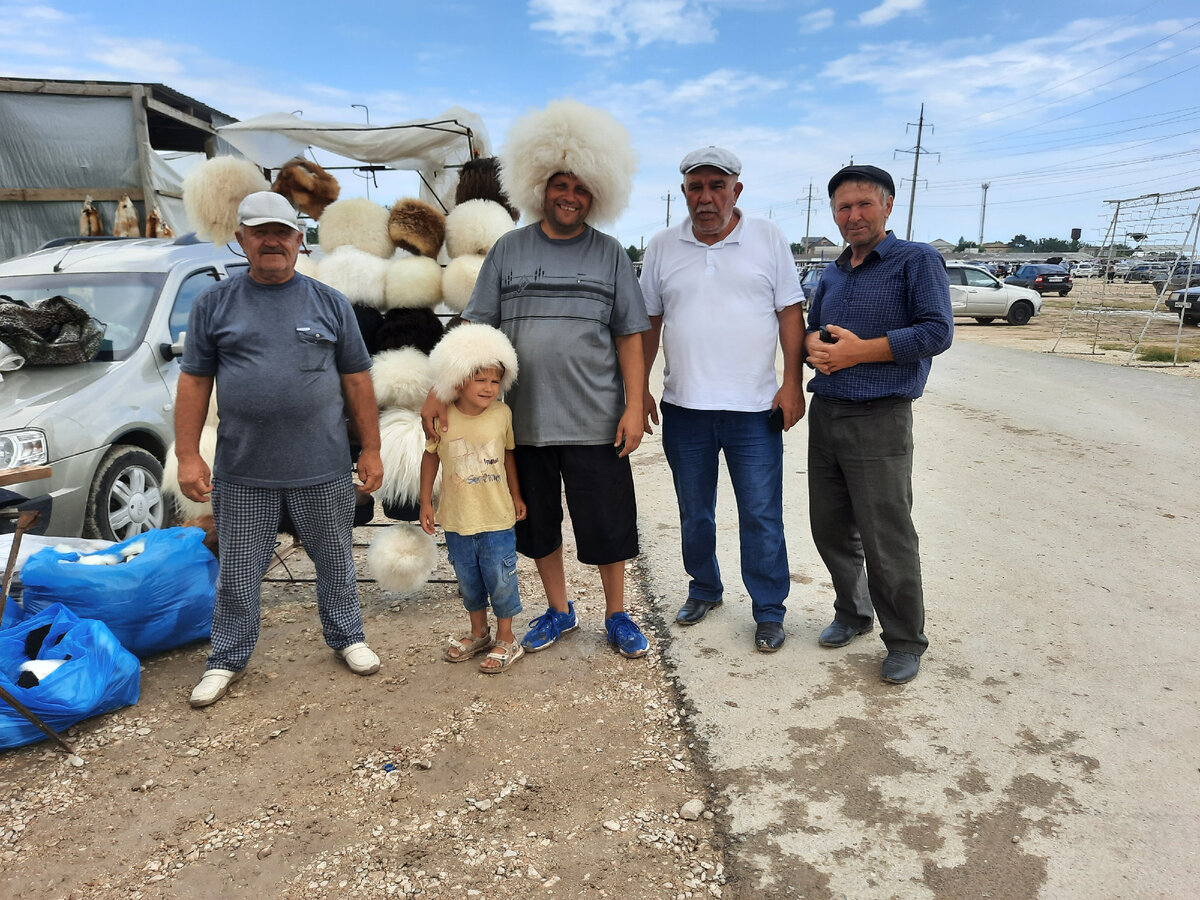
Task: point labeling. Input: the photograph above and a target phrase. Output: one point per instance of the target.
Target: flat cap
(716, 157)
(862, 173)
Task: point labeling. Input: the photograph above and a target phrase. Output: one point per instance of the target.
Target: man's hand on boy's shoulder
(433, 417)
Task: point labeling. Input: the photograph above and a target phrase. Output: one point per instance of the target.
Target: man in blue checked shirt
(878, 317)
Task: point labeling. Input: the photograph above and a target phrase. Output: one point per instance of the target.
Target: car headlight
(22, 448)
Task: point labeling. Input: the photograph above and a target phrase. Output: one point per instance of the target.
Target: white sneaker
(212, 686)
(360, 658)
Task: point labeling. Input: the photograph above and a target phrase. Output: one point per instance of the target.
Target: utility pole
(920, 123)
(808, 218)
(983, 211)
(668, 199)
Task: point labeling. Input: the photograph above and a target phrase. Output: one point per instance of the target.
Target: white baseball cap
(716, 157)
(262, 207)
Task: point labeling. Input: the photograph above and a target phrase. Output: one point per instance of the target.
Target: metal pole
(808, 219)
(912, 198)
(983, 211)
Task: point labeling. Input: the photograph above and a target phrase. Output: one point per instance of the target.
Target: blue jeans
(486, 566)
(693, 440)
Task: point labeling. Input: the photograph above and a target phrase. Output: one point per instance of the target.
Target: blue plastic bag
(100, 675)
(161, 598)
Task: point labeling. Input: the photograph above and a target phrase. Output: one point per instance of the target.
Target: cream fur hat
(568, 136)
(464, 351)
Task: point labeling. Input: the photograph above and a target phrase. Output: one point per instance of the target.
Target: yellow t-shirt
(475, 495)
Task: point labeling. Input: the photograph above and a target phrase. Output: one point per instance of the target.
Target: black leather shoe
(839, 634)
(768, 637)
(900, 667)
(694, 610)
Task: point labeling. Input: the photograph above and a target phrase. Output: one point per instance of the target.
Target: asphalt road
(1049, 747)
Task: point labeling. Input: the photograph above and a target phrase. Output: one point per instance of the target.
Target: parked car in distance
(1044, 278)
(1145, 273)
(1186, 302)
(809, 281)
(1089, 268)
(1183, 274)
(104, 426)
(977, 293)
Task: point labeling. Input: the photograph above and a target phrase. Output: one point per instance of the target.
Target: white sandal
(467, 645)
(512, 652)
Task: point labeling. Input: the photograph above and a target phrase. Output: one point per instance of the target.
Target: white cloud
(147, 60)
(607, 26)
(888, 10)
(817, 20)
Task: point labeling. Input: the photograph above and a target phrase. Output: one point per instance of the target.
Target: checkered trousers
(247, 527)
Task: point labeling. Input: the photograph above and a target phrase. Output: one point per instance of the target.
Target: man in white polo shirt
(721, 290)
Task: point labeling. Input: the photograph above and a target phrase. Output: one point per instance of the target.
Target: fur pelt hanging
(413, 282)
(156, 227)
(125, 222)
(474, 227)
(402, 378)
(417, 227)
(212, 192)
(568, 136)
(356, 222)
(464, 351)
(402, 558)
(308, 186)
(479, 179)
(186, 507)
(403, 445)
(458, 280)
(420, 328)
(361, 276)
(89, 219)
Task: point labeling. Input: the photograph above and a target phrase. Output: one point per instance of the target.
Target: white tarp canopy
(434, 148)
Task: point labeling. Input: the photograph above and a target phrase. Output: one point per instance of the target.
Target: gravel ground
(572, 775)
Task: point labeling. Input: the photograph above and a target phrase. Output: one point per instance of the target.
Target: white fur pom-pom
(190, 509)
(212, 192)
(413, 282)
(356, 222)
(356, 273)
(458, 280)
(402, 378)
(474, 226)
(402, 558)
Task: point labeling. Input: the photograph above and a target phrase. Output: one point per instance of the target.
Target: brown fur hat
(417, 227)
(479, 179)
(307, 185)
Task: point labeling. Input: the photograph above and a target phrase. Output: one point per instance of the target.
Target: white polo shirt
(719, 306)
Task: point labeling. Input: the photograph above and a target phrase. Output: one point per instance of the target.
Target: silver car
(980, 295)
(104, 426)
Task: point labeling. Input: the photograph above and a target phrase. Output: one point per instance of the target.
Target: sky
(1058, 106)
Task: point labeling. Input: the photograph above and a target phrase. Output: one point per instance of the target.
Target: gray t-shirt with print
(561, 303)
(278, 352)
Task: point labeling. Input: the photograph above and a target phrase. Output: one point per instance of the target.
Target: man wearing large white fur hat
(566, 296)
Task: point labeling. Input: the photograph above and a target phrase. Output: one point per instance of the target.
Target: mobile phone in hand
(775, 419)
(826, 337)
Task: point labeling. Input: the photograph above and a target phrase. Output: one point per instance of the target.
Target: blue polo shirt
(900, 290)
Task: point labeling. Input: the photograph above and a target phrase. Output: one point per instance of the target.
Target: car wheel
(1020, 313)
(1063, 293)
(985, 320)
(126, 497)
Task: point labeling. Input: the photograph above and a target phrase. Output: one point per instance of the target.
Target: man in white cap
(567, 298)
(722, 293)
(288, 362)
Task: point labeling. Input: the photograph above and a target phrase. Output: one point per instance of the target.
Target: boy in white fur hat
(481, 499)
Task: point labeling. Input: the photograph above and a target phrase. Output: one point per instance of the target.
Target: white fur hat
(358, 222)
(464, 351)
(568, 136)
(413, 282)
(402, 558)
(458, 280)
(474, 226)
(361, 276)
(401, 378)
(212, 192)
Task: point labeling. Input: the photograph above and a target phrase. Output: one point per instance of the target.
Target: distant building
(993, 247)
(941, 246)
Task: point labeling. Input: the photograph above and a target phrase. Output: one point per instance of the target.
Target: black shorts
(599, 489)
